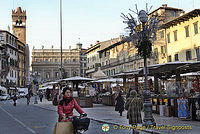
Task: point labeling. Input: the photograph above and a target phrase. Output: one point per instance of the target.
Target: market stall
(82, 99)
(3, 90)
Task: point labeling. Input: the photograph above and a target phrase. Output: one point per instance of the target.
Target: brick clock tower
(19, 24)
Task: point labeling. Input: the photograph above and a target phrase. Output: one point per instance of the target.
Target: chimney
(164, 5)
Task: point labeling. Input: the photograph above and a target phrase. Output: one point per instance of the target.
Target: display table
(84, 101)
(108, 100)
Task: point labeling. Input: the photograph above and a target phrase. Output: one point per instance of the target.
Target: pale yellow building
(22, 77)
(93, 60)
(183, 38)
(166, 14)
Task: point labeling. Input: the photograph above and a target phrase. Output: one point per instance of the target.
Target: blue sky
(89, 20)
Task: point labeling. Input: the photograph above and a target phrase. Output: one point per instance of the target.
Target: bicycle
(80, 123)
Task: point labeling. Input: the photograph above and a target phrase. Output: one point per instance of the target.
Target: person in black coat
(15, 100)
(119, 103)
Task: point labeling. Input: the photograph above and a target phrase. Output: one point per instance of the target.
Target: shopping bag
(63, 128)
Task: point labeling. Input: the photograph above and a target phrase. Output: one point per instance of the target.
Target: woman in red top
(67, 104)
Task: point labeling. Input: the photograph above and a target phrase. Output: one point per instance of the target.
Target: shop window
(175, 35)
(198, 53)
(195, 28)
(162, 49)
(168, 38)
(187, 31)
(169, 58)
(161, 34)
(176, 57)
(188, 55)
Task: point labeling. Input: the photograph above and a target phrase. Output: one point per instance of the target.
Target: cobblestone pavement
(108, 114)
(32, 119)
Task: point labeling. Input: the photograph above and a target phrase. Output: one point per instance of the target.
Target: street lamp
(61, 68)
(148, 118)
(143, 31)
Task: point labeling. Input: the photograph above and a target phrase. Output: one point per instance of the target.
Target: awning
(114, 80)
(3, 89)
(78, 78)
(47, 87)
(12, 88)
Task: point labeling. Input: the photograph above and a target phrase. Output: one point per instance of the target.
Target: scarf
(65, 100)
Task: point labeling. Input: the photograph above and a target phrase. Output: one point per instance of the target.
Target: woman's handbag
(63, 128)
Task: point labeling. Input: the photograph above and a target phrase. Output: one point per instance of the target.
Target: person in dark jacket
(40, 96)
(28, 97)
(15, 100)
(119, 103)
(128, 94)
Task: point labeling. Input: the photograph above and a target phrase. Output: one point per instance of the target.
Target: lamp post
(148, 118)
(143, 32)
(60, 43)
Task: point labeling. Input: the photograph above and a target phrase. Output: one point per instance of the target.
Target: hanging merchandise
(183, 111)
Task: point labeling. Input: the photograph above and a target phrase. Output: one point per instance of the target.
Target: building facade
(22, 64)
(183, 37)
(47, 62)
(15, 52)
(177, 40)
(10, 43)
(19, 30)
(93, 59)
(83, 59)
(4, 66)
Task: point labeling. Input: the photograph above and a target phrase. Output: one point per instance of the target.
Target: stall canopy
(25, 90)
(78, 78)
(12, 88)
(112, 80)
(3, 89)
(46, 87)
(99, 74)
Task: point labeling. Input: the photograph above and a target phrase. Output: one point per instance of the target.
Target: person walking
(41, 96)
(128, 94)
(134, 105)
(119, 103)
(15, 100)
(28, 97)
